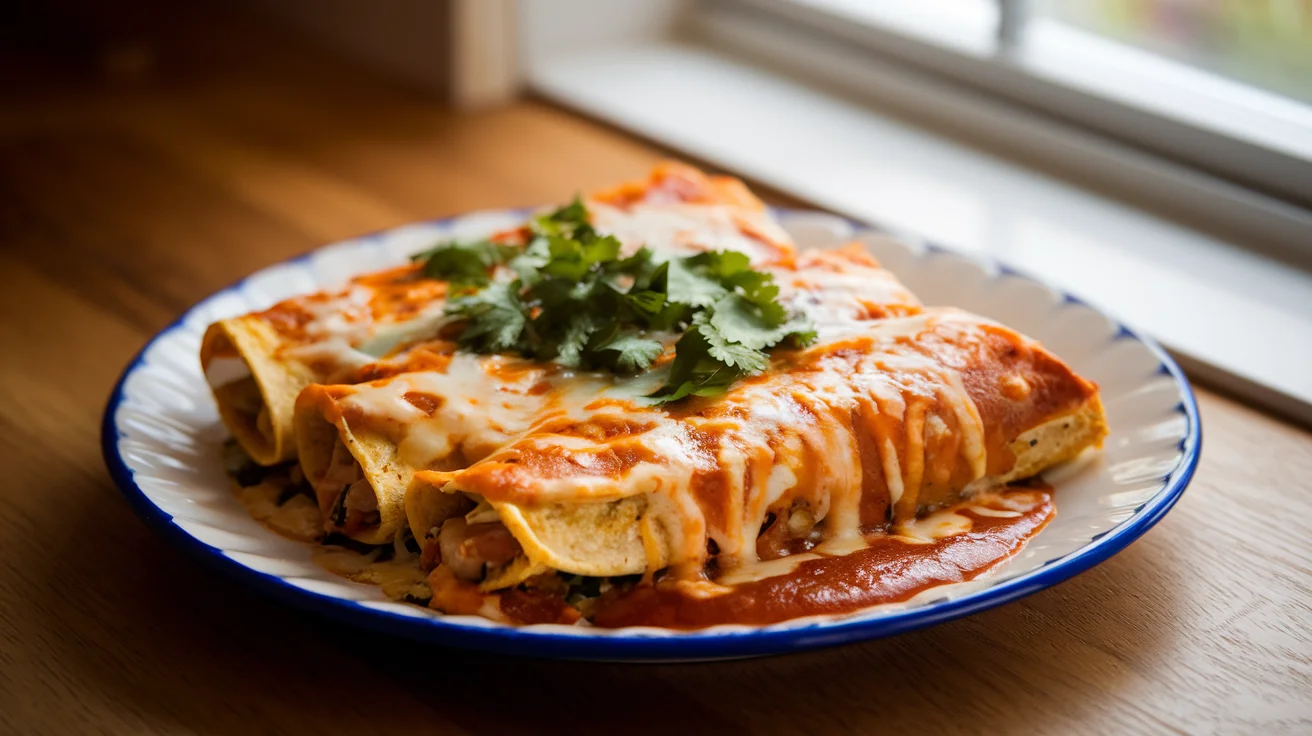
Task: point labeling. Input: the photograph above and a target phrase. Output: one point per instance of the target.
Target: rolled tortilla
(864, 431)
(360, 445)
(254, 390)
(680, 210)
(258, 363)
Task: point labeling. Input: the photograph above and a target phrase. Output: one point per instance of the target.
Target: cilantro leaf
(694, 372)
(721, 265)
(801, 332)
(725, 349)
(495, 317)
(572, 259)
(743, 321)
(641, 266)
(528, 264)
(686, 284)
(464, 264)
(760, 290)
(577, 302)
(570, 221)
(570, 215)
(628, 352)
(671, 317)
(649, 303)
(569, 351)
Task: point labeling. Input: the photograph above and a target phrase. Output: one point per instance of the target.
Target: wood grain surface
(133, 183)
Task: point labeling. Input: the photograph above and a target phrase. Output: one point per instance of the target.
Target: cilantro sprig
(569, 297)
(464, 264)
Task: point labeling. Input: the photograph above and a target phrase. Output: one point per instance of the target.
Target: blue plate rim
(691, 646)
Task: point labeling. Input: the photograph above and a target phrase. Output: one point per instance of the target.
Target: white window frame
(1237, 131)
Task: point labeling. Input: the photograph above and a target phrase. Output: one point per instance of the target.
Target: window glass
(1266, 43)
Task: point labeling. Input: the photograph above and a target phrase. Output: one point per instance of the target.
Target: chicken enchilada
(647, 407)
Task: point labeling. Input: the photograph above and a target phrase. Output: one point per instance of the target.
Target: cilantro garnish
(569, 297)
(464, 264)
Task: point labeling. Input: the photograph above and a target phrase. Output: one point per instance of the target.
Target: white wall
(549, 26)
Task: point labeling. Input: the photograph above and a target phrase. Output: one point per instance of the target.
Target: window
(1170, 76)
(1265, 43)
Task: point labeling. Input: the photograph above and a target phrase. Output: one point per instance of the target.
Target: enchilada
(855, 438)
(647, 407)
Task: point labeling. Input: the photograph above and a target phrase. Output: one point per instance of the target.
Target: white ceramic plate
(162, 437)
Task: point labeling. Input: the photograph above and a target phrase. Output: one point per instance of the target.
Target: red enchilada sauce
(978, 535)
(889, 569)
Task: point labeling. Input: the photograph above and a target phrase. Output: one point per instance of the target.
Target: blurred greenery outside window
(1266, 43)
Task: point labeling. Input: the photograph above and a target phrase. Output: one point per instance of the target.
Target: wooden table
(124, 200)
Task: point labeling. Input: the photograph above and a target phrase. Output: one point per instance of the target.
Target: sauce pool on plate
(980, 534)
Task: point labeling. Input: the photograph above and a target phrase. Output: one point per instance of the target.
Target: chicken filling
(471, 552)
(245, 398)
(354, 508)
(467, 550)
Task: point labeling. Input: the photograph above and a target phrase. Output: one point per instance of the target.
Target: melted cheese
(400, 577)
(800, 422)
(346, 316)
(336, 344)
(395, 334)
(834, 301)
(782, 479)
(346, 330)
(478, 408)
(336, 354)
(796, 429)
(298, 518)
(341, 332)
(943, 523)
(222, 370)
(685, 229)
